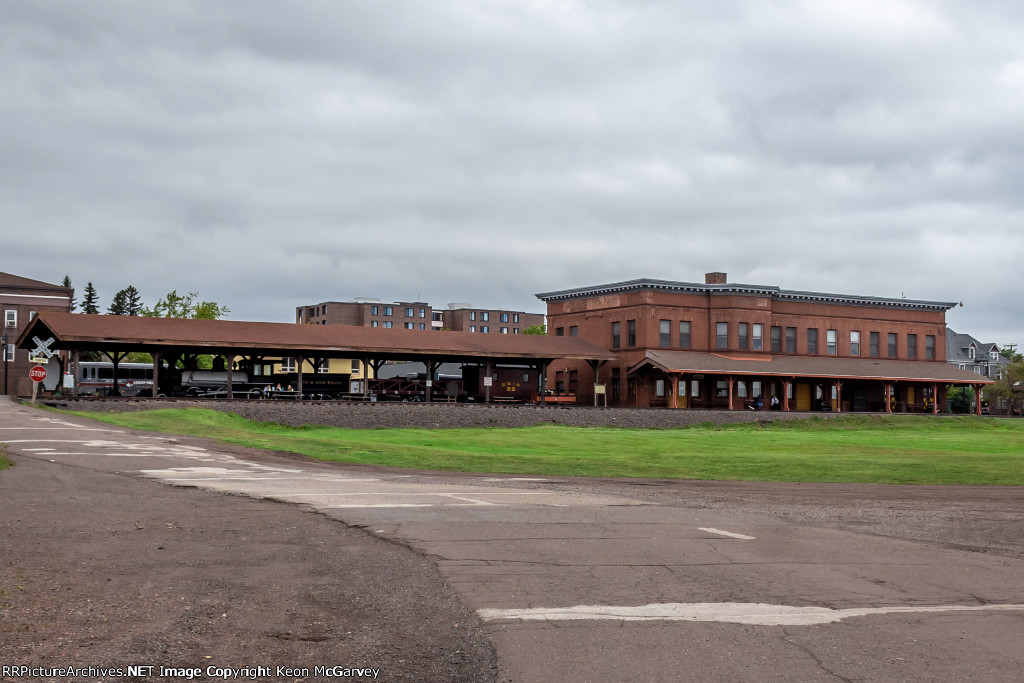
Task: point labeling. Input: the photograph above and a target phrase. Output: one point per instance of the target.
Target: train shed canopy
(172, 336)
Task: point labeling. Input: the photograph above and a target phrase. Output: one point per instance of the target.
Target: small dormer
(972, 351)
(993, 353)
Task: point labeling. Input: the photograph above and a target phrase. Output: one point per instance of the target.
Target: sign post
(37, 375)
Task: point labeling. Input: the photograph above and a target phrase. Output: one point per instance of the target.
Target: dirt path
(103, 570)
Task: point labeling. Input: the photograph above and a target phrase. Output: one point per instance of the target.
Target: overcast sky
(270, 155)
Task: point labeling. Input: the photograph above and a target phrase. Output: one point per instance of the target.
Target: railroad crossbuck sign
(37, 374)
(41, 353)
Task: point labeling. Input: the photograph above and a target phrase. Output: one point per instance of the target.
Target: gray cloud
(458, 151)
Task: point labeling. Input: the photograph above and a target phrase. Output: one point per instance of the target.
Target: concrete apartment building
(727, 345)
(20, 299)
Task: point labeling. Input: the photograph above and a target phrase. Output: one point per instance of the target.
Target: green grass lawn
(892, 450)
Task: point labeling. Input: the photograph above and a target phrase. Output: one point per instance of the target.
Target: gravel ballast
(439, 415)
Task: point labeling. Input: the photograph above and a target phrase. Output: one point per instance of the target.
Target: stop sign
(38, 373)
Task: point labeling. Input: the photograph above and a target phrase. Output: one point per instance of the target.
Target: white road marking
(727, 533)
(54, 429)
(753, 613)
(384, 505)
(514, 479)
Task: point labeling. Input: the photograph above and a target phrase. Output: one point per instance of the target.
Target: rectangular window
(355, 367)
(790, 340)
(831, 342)
(423, 313)
(472, 328)
(616, 383)
(684, 334)
(287, 365)
(812, 341)
(742, 329)
(616, 329)
(373, 310)
(504, 317)
(409, 313)
(504, 330)
(324, 368)
(9, 353)
(873, 344)
(929, 347)
(515, 330)
(665, 333)
(515, 317)
(11, 318)
(912, 346)
(854, 343)
(776, 333)
(485, 315)
(741, 389)
(485, 329)
(758, 336)
(374, 323)
(892, 345)
(721, 335)
(574, 331)
(472, 315)
(409, 326)
(559, 331)
(387, 323)
(631, 332)
(387, 310)
(423, 326)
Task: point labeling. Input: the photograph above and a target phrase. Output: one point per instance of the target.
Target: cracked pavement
(917, 604)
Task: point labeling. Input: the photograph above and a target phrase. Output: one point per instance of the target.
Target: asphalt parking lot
(547, 578)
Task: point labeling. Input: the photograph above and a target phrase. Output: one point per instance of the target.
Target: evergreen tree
(126, 302)
(119, 306)
(133, 300)
(90, 304)
(67, 283)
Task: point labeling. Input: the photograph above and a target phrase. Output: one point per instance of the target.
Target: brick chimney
(715, 278)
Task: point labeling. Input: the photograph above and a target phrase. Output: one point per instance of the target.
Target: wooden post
(299, 360)
(785, 394)
(839, 395)
(428, 378)
(156, 373)
(487, 382)
(977, 399)
(229, 361)
(76, 354)
(728, 381)
(935, 399)
(675, 390)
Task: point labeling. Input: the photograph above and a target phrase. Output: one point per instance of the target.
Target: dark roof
(648, 285)
(809, 366)
(130, 333)
(7, 280)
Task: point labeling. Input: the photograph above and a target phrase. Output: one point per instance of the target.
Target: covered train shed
(169, 340)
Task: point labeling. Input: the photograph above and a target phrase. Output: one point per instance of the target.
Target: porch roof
(807, 366)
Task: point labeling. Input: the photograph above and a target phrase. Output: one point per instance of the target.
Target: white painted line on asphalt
(727, 533)
(467, 499)
(757, 614)
(514, 479)
(54, 429)
(37, 450)
(384, 505)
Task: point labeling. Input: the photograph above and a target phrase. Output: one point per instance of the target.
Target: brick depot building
(737, 346)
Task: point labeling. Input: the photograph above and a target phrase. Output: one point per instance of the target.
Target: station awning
(825, 367)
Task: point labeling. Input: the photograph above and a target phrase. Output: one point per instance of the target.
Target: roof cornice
(776, 293)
